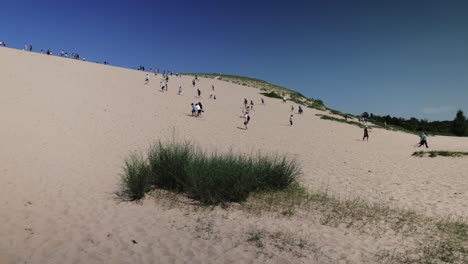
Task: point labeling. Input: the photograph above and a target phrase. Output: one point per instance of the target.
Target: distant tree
(365, 115)
(459, 124)
(413, 124)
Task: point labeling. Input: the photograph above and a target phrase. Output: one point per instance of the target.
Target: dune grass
(325, 117)
(272, 95)
(435, 153)
(209, 178)
(439, 240)
(270, 90)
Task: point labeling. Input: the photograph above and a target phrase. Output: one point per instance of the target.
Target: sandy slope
(67, 127)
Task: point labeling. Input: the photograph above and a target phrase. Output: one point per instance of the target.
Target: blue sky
(384, 57)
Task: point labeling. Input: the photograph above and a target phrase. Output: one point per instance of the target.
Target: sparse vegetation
(269, 90)
(272, 95)
(435, 153)
(351, 122)
(440, 240)
(209, 178)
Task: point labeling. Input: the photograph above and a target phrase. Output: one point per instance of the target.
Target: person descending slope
(147, 79)
(423, 140)
(291, 120)
(246, 119)
(366, 134)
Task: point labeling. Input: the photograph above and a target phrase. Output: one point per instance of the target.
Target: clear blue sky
(403, 58)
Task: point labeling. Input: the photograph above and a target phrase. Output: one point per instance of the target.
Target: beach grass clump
(135, 180)
(325, 117)
(272, 95)
(435, 153)
(210, 178)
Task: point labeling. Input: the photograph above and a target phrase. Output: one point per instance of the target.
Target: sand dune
(67, 127)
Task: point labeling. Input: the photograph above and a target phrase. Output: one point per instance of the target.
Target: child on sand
(199, 93)
(366, 134)
(292, 108)
(194, 109)
(251, 104)
(147, 79)
(263, 101)
(180, 90)
(198, 109)
(246, 119)
(300, 110)
(423, 140)
(291, 120)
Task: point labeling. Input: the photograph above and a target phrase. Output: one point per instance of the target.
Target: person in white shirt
(198, 110)
(147, 79)
(246, 120)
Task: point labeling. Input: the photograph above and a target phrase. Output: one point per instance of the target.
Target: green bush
(272, 95)
(209, 178)
(135, 180)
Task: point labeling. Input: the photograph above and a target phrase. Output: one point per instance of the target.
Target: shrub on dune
(135, 180)
(209, 178)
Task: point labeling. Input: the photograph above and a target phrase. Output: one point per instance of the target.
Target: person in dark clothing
(366, 134)
(199, 93)
(423, 140)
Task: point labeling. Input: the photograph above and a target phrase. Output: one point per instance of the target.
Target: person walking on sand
(147, 79)
(300, 110)
(284, 99)
(423, 140)
(180, 91)
(291, 120)
(263, 101)
(198, 110)
(199, 93)
(366, 134)
(292, 108)
(194, 110)
(251, 104)
(246, 119)
(193, 82)
(212, 88)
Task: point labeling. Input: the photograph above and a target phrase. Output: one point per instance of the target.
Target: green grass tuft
(209, 178)
(435, 153)
(135, 179)
(272, 95)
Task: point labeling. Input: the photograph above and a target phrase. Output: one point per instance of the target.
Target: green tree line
(457, 127)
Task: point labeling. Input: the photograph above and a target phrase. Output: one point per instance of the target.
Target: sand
(67, 127)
